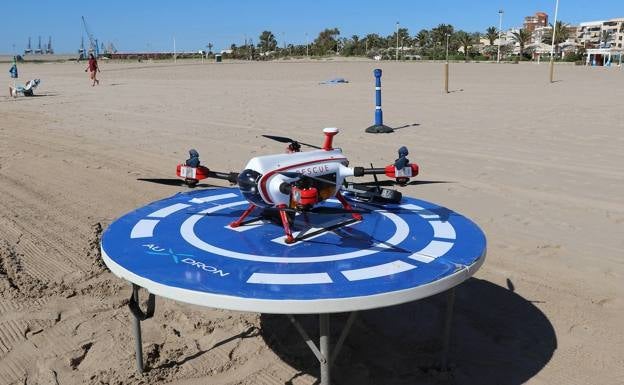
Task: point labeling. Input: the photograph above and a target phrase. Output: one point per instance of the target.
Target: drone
(297, 181)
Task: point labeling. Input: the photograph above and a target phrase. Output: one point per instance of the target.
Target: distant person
(193, 160)
(93, 68)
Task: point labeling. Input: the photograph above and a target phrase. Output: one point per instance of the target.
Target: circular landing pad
(182, 248)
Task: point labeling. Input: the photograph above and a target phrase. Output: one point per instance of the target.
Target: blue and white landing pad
(182, 248)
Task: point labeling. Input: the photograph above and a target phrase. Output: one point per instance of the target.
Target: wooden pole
(446, 77)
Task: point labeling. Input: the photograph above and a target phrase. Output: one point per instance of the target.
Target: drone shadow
(353, 238)
(498, 337)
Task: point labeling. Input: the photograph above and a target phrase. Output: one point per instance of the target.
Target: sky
(142, 25)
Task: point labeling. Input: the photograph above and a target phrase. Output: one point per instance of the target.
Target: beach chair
(26, 90)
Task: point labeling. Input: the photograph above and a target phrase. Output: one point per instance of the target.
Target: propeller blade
(325, 210)
(283, 139)
(172, 182)
(392, 183)
(165, 181)
(298, 175)
(336, 210)
(291, 174)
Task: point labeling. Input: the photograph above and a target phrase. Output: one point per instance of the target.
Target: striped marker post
(378, 127)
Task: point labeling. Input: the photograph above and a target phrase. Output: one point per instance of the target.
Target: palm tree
(491, 34)
(424, 38)
(438, 34)
(356, 44)
(561, 34)
(465, 40)
(373, 40)
(522, 37)
(605, 36)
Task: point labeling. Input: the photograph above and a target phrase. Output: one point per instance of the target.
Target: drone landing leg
(347, 206)
(284, 217)
(240, 220)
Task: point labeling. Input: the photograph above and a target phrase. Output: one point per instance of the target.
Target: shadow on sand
(498, 337)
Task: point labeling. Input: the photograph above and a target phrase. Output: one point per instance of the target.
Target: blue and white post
(378, 127)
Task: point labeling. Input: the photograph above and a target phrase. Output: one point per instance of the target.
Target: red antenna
(330, 132)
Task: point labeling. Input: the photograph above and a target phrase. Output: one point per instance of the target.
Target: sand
(538, 166)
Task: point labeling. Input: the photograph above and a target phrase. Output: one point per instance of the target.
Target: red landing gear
(240, 220)
(284, 218)
(347, 206)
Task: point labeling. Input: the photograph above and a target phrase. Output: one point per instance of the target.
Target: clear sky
(142, 25)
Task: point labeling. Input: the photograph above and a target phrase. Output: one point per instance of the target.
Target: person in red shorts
(93, 69)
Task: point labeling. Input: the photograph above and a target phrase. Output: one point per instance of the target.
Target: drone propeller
(298, 175)
(327, 210)
(171, 182)
(392, 183)
(283, 139)
(336, 210)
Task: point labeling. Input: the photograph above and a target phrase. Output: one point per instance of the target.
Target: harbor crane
(93, 43)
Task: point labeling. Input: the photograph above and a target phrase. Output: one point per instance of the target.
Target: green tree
(327, 41)
(466, 41)
(403, 40)
(373, 41)
(491, 34)
(561, 34)
(423, 37)
(353, 46)
(267, 41)
(522, 37)
(438, 34)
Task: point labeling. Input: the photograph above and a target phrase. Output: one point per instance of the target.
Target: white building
(590, 34)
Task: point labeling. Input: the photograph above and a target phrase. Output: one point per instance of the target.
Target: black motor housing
(248, 185)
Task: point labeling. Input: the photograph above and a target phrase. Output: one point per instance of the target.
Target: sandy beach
(537, 166)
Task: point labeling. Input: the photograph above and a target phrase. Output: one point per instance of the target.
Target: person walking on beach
(93, 68)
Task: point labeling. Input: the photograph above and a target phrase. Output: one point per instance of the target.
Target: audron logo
(184, 258)
(204, 267)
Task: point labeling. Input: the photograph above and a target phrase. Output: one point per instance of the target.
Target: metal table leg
(324, 344)
(325, 355)
(446, 337)
(138, 316)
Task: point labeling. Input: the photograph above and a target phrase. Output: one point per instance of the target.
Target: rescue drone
(297, 181)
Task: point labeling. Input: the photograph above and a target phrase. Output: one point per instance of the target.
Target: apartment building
(531, 23)
(592, 34)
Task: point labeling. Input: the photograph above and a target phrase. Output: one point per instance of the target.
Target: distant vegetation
(424, 44)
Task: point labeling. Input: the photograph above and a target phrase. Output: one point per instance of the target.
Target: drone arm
(231, 177)
(361, 171)
(390, 171)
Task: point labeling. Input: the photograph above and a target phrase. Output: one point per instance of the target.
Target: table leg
(138, 315)
(136, 323)
(446, 338)
(324, 344)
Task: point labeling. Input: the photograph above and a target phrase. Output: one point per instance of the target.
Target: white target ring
(187, 232)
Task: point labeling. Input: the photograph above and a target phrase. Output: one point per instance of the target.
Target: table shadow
(498, 337)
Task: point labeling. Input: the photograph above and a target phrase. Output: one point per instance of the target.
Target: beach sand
(538, 166)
